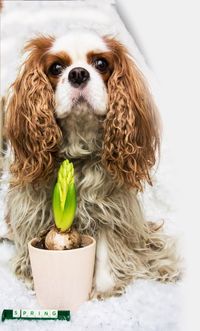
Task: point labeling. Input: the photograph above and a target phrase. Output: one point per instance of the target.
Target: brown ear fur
(131, 127)
(30, 123)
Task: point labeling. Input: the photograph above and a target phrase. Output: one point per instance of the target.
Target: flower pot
(63, 279)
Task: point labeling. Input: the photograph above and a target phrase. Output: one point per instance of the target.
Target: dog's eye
(56, 69)
(101, 64)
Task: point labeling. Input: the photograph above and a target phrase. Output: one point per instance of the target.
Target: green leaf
(57, 210)
(69, 209)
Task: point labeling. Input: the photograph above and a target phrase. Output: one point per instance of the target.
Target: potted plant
(62, 261)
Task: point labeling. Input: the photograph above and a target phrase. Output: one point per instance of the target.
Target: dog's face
(78, 66)
(60, 72)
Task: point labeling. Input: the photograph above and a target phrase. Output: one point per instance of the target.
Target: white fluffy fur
(77, 43)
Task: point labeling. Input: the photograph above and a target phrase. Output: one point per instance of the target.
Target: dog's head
(57, 74)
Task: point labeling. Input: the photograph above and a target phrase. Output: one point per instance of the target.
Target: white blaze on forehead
(77, 44)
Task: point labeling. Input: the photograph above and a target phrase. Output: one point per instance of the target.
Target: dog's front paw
(117, 290)
(5, 232)
(104, 280)
(105, 285)
(22, 269)
(25, 275)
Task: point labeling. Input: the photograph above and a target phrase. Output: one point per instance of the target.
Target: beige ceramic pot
(63, 279)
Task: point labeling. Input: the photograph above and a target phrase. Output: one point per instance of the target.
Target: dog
(82, 97)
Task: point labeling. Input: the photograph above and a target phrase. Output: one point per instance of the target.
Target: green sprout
(64, 197)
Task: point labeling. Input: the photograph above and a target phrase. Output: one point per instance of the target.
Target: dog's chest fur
(82, 144)
(82, 133)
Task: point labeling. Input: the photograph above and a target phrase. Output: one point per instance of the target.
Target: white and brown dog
(82, 97)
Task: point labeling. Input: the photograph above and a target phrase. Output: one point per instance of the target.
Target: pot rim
(66, 251)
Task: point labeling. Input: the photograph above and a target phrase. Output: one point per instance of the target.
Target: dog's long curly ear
(30, 123)
(131, 137)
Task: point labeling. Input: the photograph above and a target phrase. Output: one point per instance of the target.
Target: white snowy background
(161, 45)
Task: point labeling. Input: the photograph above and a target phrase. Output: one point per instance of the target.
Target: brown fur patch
(108, 56)
(131, 131)
(30, 121)
(61, 57)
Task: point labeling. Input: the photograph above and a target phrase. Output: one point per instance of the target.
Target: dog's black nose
(78, 76)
